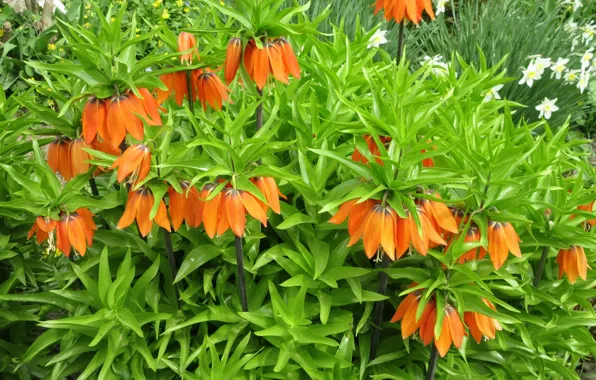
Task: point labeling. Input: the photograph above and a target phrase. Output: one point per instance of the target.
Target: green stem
(379, 306)
(240, 274)
(540, 268)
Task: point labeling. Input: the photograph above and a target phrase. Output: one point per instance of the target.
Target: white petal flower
(571, 76)
(377, 39)
(588, 33)
(584, 81)
(57, 5)
(570, 27)
(547, 107)
(586, 58)
(559, 67)
(541, 64)
(493, 93)
(441, 6)
(574, 43)
(577, 4)
(438, 66)
(531, 74)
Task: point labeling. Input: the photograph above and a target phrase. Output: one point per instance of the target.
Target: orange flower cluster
(380, 226)
(226, 210)
(205, 84)
(67, 157)
(452, 329)
(409, 9)
(74, 230)
(573, 263)
(275, 57)
(112, 118)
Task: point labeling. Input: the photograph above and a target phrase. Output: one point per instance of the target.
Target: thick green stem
(379, 306)
(240, 274)
(400, 43)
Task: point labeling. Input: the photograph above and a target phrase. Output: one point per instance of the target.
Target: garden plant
(249, 189)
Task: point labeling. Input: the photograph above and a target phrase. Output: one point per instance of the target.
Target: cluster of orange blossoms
(409, 9)
(205, 85)
(74, 230)
(452, 329)
(226, 210)
(379, 226)
(275, 57)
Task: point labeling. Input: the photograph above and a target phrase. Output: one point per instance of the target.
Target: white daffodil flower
(570, 27)
(547, 107)
(559, 67)
(493, 93)
(588, 33)
(584, 81)
(587, 58)
(377, 39)
(531, 74)
(571, 76)
(438, 66)
(542, 64)
(441, 6)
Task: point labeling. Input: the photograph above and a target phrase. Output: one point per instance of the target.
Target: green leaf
(196, 258)
(295, 220)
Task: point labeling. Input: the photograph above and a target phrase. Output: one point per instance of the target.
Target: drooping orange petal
(261, 62)
(210, 214)
(130, 212)
(252, 207)
(79, 157)
(62, 242)
(150, 106)
(443, 342)
(470, 319)
(418, 236)
(512, 239)
(402, 236)
(276, 63)
(236, 214)
(176, 207)
(427, 328)
(161, 218)
(342, 214)
(388, 232)
(372, 231)
(76, 234)
(455, 326)
(143, 211)
(233, 54)
(405, 304)
(94, 119)
(289, 58)
(120, 119)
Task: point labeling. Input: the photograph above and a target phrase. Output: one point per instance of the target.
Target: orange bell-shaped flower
(271, 192)
(409, 9)
(233, 55)
(135, 161)
(482, 325)
(211, 90)
(235, 204)
(59, 157)
(573, 263)
(502, 239)
(79, 157)
(186, 42)
(186, 206)
(94, 119)
(139, 205)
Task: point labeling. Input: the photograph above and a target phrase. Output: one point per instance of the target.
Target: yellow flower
(51, 47)
(179, 3)
(186, 10)
(112, 19)
(138, 30)
(61, 50)
(157, 3)
(50, 102)
(86, 17)
(165, 15)
(88, 6)
(87, 25)
(222, 2)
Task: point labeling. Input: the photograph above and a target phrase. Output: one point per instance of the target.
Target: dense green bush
(441, 174)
